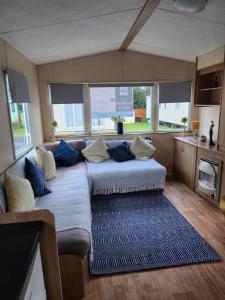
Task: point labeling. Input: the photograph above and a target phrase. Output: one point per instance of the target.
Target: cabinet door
(189, 161)
(184, 162)
(178, 159)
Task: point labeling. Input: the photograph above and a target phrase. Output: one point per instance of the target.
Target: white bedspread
(134, 175)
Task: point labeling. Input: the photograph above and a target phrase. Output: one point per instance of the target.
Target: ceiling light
(189, 6)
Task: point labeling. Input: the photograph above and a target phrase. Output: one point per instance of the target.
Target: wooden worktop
(196, 142)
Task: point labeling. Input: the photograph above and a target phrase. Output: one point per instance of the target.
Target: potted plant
(54, 124)
(118, 120)
(184, 121)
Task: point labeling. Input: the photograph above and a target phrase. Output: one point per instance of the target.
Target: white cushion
(20, 196)
(142, 149)
(96, 152)
(46, 162)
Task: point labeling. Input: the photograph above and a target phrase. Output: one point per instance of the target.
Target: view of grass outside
(19, 131)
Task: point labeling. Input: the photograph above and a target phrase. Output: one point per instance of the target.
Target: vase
(120, 128)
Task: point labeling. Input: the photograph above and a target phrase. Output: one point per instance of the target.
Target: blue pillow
(37, 178)
(121, 153)
(65, 155)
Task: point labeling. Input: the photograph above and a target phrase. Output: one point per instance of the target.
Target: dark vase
(120, 128)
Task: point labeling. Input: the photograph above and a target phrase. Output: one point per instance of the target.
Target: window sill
(144, 133)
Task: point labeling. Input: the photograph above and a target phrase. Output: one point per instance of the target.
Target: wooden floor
(195, 282)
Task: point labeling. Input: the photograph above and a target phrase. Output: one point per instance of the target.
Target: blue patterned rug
(141, 231)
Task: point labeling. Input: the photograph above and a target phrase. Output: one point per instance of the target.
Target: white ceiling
(51, 30)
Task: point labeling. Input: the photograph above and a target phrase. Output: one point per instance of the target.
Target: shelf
(210, 89)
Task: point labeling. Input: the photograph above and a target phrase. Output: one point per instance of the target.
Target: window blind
(66, 93)
(175, 92)
(18, 86)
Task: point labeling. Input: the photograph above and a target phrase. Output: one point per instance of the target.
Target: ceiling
(51, 30)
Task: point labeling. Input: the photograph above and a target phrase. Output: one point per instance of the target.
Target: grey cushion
(70, 203)
(74, 241)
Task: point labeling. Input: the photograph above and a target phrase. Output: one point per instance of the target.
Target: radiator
(209, 177)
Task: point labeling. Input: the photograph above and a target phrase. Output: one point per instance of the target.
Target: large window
(19, 122)
(131, 103)
(69, 118)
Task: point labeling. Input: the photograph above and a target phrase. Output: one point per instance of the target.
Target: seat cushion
(73, 241)
(70, 203)
(129, 176)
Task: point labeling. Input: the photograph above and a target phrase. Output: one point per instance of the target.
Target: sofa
(70, 200)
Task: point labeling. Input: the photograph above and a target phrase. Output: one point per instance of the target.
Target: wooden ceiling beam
(145, 13)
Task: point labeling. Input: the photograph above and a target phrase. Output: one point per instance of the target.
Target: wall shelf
(208, 88)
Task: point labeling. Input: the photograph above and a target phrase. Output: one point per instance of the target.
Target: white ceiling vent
(189, 6)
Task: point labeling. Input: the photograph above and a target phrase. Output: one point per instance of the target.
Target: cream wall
(114, 66)
(208, 114)
(10, 57)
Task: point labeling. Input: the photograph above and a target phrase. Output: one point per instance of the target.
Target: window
(170, 115)
(69, 118)
(132, 103)
(174, 104)
(19, 123)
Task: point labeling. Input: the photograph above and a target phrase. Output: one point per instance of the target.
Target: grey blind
(66, 93)
(18, 87)
(175, 92)
(120, 84)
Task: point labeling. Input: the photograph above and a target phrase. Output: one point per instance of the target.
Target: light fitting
(189, 6)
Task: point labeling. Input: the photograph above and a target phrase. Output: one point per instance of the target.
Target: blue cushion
(65, 155)
(121, 153)
(37, 178)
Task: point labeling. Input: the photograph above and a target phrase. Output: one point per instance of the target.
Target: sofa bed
(70, 200)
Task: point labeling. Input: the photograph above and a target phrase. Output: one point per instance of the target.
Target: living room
(112, 149)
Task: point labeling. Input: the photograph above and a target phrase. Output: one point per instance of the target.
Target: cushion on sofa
(141, 149)
(96, 152)
(70, 203)
(46, 162)
(36, 177)
(121, 152)
(65, 155)
(20, 196)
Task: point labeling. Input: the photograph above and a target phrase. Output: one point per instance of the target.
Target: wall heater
(209, 178)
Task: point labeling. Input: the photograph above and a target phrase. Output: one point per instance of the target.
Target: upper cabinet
(208, 86)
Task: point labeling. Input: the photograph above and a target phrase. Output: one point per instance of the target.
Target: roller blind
(66, 93)
(18, 87)
(175, 92)
(120, 84)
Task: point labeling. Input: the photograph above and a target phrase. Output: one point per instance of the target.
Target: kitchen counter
(196, 142)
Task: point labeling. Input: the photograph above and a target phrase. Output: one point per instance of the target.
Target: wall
(208, 114)
(13, 59)
(114, 66)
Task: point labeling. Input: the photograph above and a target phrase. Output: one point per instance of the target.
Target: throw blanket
(69, 200)
(112, 177)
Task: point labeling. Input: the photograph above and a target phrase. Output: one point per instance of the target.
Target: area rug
(142, 231)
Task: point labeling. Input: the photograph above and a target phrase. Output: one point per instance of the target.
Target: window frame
(154, 115)
(96, 133)
(26, 111)
(188, 115)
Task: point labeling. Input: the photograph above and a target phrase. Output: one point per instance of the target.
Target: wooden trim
(71, 267)
(215, 68)
(48, 246)
(144, 15)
